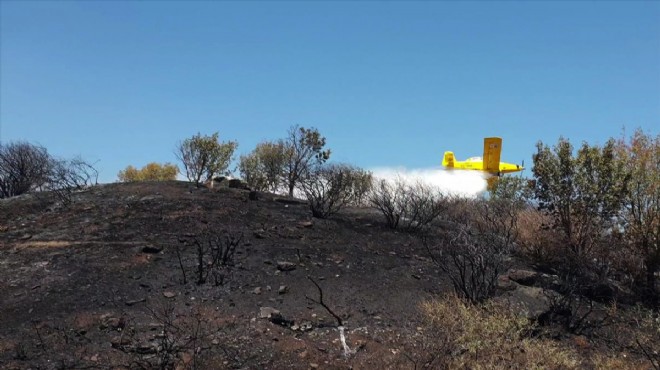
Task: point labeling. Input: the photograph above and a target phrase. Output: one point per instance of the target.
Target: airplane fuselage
(489, 163)
(478, 165)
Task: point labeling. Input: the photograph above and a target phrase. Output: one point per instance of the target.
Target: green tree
(262, 168)
(583, 193)
(516, 189)
(303, 152)
(151, 172)
(204, 156)
(640, 157)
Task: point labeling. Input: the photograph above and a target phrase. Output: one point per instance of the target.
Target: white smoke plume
(450, 182)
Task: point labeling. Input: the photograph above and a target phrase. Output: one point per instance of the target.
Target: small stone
(25, 237)
(283, 289)
(313, 366)
(257, 290)
(169, 294)
(306, 326)
(215, 342)
(286, 266)
(135, 301)
(306, 224)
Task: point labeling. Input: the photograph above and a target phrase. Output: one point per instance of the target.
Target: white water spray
(450, 182)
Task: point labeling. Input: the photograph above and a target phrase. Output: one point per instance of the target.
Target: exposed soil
(86, 286)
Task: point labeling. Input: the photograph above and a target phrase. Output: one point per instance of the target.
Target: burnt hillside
(115, 281)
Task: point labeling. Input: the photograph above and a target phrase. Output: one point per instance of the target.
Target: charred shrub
(409, 207)
(26, 167)
(23, 167)
(333, 187)
(475, 248)
(68, 176)
(213, 254)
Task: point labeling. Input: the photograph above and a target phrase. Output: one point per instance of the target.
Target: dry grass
(492, 336)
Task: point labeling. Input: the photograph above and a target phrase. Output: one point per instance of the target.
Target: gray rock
(135, 301)
(305, 224)
(504, 283)
(283, 289)
(524, 277)
(169, 294)
(150, 197)
(268, 312)
(531, 302)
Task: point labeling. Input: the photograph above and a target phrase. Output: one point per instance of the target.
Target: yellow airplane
(489, 163)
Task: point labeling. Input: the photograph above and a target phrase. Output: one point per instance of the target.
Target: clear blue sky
(388, 83)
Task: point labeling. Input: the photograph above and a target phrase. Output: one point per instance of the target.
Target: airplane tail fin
(448, 160)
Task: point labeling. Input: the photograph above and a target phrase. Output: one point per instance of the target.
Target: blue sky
(388, 83)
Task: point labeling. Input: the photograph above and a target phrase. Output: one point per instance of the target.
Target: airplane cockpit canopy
(474, 159)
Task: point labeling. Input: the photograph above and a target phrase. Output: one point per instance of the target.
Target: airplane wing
(492, 151)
